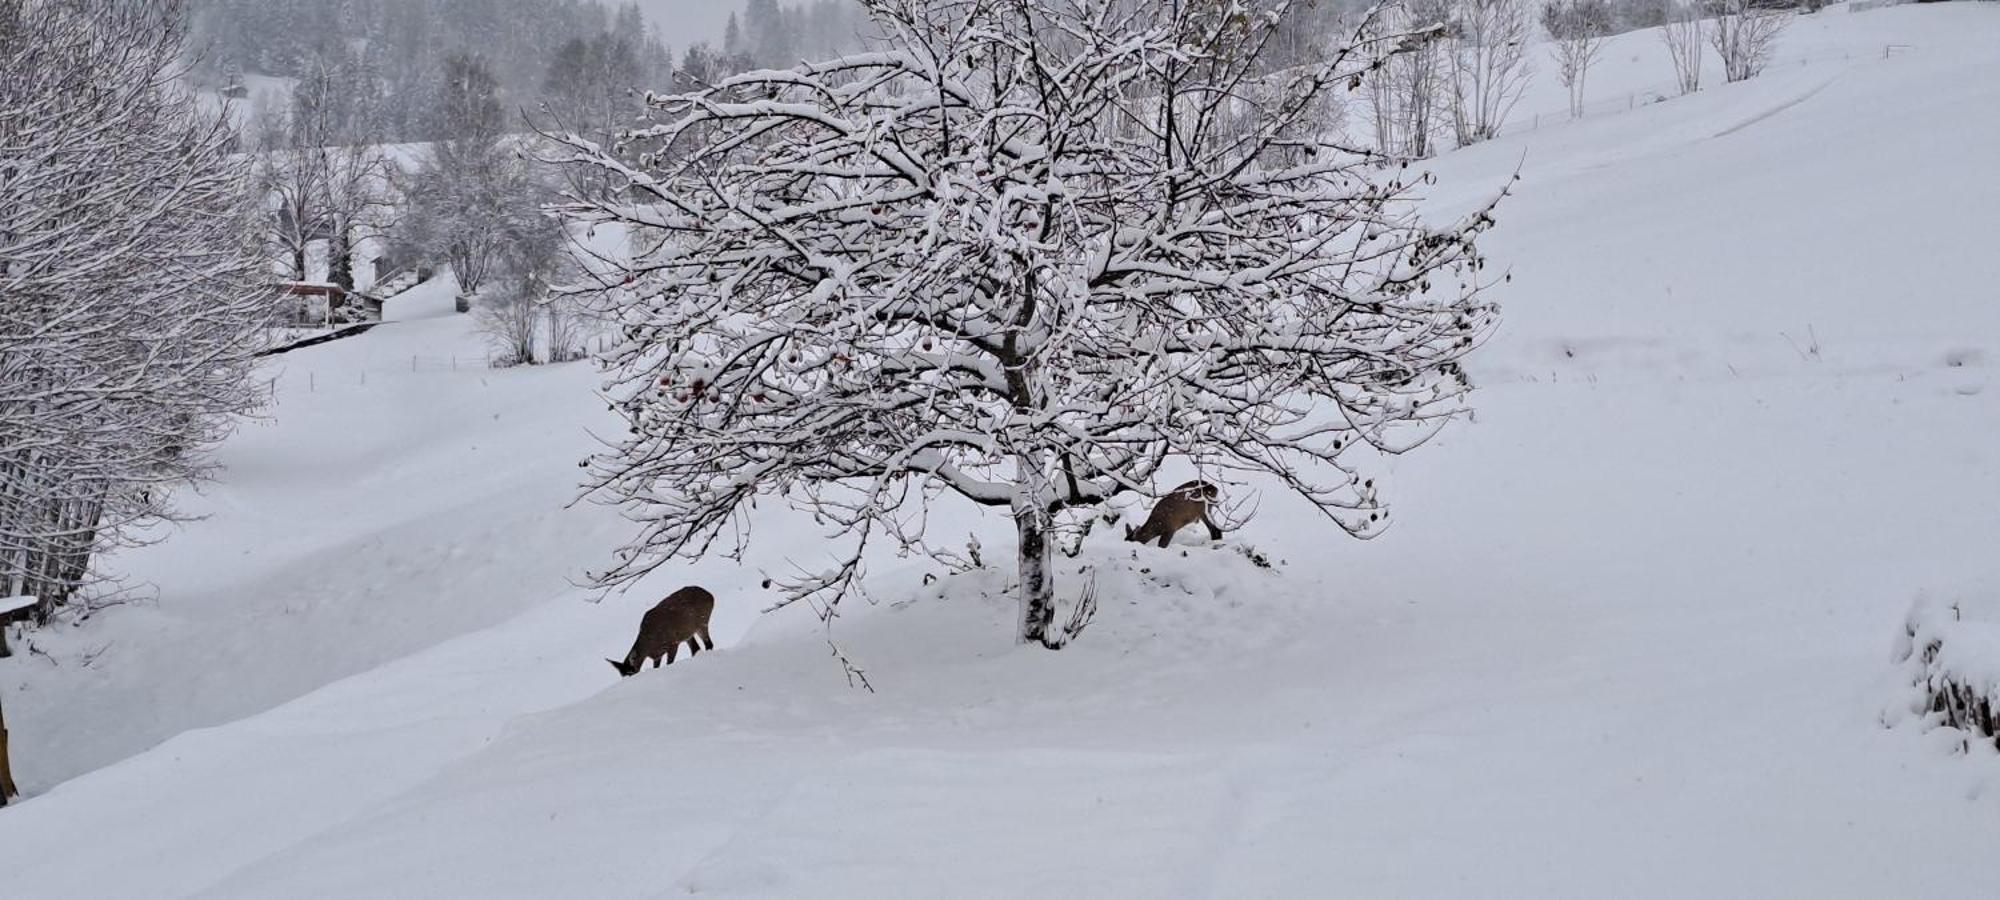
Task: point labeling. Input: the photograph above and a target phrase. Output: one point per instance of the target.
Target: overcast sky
(682, 22)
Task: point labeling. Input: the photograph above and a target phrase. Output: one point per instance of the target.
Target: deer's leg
(694, 646)
(1214, 533)
(706, 641)
(1166, 539)
(671, 650)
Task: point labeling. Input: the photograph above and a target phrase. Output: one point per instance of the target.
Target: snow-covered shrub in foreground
(1951, 654)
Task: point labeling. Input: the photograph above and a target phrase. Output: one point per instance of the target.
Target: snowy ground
(1631, 636)
(396, 493)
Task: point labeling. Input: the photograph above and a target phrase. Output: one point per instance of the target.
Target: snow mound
(1950, 651)
(1179, 600)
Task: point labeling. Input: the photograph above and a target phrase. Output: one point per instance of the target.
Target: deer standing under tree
(1181, 507)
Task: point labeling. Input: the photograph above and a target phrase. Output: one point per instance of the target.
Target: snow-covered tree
(476, 192)
(1489, 64)
(732, 37)
(465, 205)
(1682, 33)
(592, 84)
(1577, 29)
(773, 33)
(324, 174)
(131, 283)
(1026, 254)
(1744, 36)
(592, 91)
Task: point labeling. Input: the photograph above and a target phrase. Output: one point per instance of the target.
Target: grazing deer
(1180, 508)
(683, 616)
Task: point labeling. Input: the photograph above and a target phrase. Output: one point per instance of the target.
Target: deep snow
(1631, 636)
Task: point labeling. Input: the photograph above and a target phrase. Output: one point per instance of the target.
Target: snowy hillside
(396, 493)
(1632, 635)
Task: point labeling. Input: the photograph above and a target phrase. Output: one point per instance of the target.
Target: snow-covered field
(1632, 635)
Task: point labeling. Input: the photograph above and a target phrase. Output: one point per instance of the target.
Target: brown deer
(1178, 509)
(683, 616)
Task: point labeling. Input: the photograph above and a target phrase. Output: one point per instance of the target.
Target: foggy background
(683, 22)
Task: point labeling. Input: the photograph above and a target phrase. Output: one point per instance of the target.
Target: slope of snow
(1629, 637)
(395, 493)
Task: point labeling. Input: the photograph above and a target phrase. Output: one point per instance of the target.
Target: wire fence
(377, 371)
(1667, 90)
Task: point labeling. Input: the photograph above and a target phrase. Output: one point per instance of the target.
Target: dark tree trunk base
(1966, 700)
(1959, 705)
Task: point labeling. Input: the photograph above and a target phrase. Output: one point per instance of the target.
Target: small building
(14, 609)
(326, 303)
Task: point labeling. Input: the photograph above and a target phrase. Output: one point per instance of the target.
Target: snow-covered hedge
(1951, 652)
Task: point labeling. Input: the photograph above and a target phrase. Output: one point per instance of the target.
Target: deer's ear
(619, 666)
(1129, 531)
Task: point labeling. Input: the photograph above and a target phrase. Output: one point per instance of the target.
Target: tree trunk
(1031, 524)
(21, 507)
(339, 265)
(1038, 605)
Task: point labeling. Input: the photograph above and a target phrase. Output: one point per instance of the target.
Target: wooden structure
(13, 609)
(320, 302)
(7, 789)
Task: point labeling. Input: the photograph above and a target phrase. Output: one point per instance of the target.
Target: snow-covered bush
(568, 328)
(516, 310)
(510, 319)
(1024, 254)
(1951, 654)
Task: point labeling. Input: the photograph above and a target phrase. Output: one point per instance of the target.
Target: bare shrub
(1744, 37)
(1577, 29)
(1683, 34)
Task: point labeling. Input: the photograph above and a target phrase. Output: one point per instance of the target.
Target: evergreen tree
(732, 37)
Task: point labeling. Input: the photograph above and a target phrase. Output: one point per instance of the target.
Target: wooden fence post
(7, 789)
